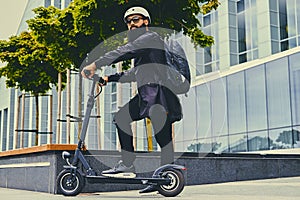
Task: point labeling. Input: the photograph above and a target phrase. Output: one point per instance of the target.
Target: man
(153, 100)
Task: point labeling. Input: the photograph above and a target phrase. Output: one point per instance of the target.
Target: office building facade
(244, 94)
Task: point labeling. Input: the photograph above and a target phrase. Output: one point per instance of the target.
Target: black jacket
(149, 64)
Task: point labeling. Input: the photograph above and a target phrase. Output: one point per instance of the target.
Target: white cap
(137, 10)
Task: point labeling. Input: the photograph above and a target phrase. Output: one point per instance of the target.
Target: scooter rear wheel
(69, 184)
(175, 187)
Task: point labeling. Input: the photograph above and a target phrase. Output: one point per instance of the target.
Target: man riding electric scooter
(153, 101)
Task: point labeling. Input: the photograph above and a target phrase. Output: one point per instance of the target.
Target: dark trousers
(161, 125)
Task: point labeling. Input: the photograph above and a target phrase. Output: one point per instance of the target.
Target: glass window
(241, 32)
(274, 33)
(256, 98)
(67, 2)
(189, 116)
(231, 6)
(258, 141)
(179, 147)
(204, 111)
(295, 87)
(243, 58)
(273, 5)
(275, 47)
(220, 144)
(236, 103)
(219, 107)
(280, 138)
(238, 142)
(296, 136)
(206, 20)
(4, 129)
(47, 3)
(291, 18)
(201, 145)
(298, 17)
(283, 19)
(240, 6)
(274, 18)
(207, 55)
(57, 3)
(278, 96)
(284, 45)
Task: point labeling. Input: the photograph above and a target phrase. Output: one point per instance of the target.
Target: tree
(28, 67)
(60, 39)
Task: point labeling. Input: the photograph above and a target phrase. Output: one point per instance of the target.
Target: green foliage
(28, 66)
(60, 39)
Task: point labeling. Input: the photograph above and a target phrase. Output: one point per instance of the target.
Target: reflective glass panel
(201, 145)
(258, 141)
(189, 115)
(295, 87)
(278, 96)
(256, 98)
(280, 138)
(296, 136)
(219, 107)
(204, 111)
(220, 144)
(236, 103)
(238, 143)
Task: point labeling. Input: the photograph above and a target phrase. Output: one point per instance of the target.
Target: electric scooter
(168, 179)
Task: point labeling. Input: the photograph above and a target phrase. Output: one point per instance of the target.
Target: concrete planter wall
(36, 168)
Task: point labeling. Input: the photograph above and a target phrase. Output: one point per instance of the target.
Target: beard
(133, 34)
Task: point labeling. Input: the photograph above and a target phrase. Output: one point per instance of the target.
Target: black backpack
(178, 74)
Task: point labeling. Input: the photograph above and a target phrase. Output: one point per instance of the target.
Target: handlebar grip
(102, 81)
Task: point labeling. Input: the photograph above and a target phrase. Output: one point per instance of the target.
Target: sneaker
(120, 171)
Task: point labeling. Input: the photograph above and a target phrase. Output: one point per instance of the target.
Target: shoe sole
(121, 175)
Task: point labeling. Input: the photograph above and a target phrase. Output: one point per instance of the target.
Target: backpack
(178, 73)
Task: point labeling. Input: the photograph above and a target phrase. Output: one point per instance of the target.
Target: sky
(11, 12)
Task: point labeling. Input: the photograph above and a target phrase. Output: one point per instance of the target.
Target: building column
(263, 25)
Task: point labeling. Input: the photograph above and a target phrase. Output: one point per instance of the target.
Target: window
(295, 87)
(4, 129)
(258, 141)
(236, 103)
(278, 96)
(204, 111)
(57, 3)
(206, 20)
(218, 107)
(240, 6)
(256, 98)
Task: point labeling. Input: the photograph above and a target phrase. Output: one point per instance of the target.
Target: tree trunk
(58, 109)
(68, 105)
(36, 119)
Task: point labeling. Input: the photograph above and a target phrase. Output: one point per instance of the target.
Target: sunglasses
(135, 20)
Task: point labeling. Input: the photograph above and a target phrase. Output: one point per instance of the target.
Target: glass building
(244, 96)
(245, 89)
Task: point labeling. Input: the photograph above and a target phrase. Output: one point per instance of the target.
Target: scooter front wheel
(176, 185)
(69, 184)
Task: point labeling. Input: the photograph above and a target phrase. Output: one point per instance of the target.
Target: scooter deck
(137, 180)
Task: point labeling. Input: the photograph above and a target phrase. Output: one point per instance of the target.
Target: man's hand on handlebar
(104, 81)
(91, 68)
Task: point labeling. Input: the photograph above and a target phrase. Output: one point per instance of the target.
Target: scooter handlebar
(95, 77)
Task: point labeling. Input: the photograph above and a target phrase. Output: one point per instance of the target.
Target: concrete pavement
(268, 189)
